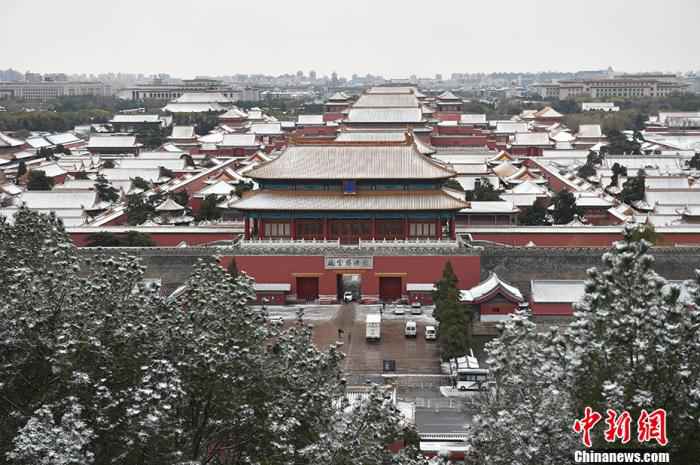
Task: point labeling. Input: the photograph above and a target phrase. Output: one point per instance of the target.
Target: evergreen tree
(634, 188)
(565, 207)
(233, 268)
(21, 169)
(353, 440)
(105, 191)
(84, 377)
(617, 171)
(589, 168)
(61, 149)
(636, 345)
(140, 183)
(47, 153)
(139, 209)
(38, 181)
(453, 184)
(525, 416)
(536, 215)
(181, 197)
(483, 192)
(694, 162)
(586, 171)
(137, 239)
(96, 368)
(208, 210)
(242, 187)
(645, 232)
(447, 282)
(454, 331)
(619, 144)
(103, 239)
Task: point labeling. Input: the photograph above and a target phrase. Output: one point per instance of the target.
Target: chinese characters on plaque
(348, 262)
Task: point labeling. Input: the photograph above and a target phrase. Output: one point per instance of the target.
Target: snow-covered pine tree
(252, 391)
(448, 281)
(524, 418)
(77, 339)
(361, 433)
(635, 344)
(96, 368)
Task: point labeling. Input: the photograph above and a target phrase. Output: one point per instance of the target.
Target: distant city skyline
(361, 37)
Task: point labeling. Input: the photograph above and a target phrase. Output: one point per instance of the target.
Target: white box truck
(374, 326)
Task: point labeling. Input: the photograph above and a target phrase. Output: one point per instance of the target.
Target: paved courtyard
(411, 355)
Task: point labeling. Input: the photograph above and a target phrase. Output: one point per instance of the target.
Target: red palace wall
(561, 309)
(411, 269)
(328, 131)
(228, 152)
(164, 239)
(526, 151)
(460, 130)
(447, 115)
(499, 308)
(333, 116)
(459, 141)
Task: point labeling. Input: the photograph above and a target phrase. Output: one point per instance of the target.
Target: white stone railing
(283, 242)
(409, 243)
(362, 243)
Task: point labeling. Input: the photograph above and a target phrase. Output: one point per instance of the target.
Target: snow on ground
(311, 312)
(426, 315)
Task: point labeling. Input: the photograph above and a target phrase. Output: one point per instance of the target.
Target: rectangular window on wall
(310, 229)
(422, 229)
(277, 229)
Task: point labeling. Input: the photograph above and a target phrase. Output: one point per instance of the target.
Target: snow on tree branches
(96, 368)
(634, 344)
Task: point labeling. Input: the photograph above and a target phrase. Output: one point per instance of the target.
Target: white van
(373, 329)
(410, 329)
(430, 333)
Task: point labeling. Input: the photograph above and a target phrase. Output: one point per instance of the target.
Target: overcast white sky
(393, 38)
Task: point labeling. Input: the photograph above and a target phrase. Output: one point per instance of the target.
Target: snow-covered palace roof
(490, 288)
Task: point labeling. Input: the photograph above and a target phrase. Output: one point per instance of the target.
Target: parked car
(348, 297)
(410, 329)
(398, 310)
(430, 333)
